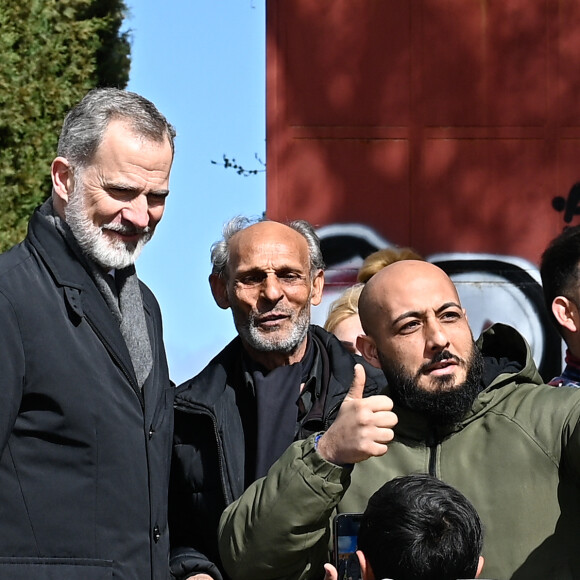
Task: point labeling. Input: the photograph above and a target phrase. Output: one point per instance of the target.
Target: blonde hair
(345, 306)
(380, 259)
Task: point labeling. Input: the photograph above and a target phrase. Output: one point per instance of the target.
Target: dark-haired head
(560, 271)
(418, 528)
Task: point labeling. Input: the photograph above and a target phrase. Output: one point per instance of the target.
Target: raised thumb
(357, 386)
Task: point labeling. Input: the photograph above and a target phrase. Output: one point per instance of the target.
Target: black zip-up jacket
(208, 457)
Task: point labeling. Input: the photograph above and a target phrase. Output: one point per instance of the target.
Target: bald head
(220, 251)
(402, 285)
(269, 236)
(266, 274)
(417, 332)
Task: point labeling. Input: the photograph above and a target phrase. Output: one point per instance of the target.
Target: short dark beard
(443, 406)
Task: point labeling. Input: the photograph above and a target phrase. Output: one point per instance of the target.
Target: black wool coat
(84, 454)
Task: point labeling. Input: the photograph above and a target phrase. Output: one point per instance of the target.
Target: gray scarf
(128, 310)
(123, 297)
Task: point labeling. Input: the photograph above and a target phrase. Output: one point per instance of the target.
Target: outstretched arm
(279, 528)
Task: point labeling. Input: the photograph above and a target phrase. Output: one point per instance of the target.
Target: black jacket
(208, 456)
(84, 462)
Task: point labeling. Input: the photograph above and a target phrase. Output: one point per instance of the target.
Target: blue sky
(202, 62)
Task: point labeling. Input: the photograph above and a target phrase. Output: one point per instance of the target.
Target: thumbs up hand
(362, 428)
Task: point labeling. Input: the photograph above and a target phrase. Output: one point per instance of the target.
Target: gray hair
(220, 251)
(85, 124)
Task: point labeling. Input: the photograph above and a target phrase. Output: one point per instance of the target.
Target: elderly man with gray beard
(280, 380)
(85, 397)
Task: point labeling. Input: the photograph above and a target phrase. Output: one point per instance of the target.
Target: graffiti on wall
(569, 205)
(492, 288)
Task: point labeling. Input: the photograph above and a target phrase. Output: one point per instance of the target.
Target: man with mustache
(279, 380)
(475, 415)
(85, 400)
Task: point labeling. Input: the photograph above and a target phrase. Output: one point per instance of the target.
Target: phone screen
(345, 545)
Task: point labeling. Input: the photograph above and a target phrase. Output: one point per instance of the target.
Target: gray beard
(109, 254)
(286, 345)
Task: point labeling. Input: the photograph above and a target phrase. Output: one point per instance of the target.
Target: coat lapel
(83, 296)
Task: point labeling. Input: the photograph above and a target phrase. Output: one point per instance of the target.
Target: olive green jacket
(516, 456)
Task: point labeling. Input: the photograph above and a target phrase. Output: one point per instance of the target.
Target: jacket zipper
(326, 423)
(432, 444)
(193, 409)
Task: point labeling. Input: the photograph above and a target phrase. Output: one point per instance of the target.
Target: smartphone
(345, 545)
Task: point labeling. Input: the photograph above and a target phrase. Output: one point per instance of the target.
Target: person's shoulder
(374, 376)
(562, 381)
(325, 337)
(335, 349)
(149, 298)
(213, 377)
(146, 292)
(19, 275)
(546, 414)
(12, 260)
(522, 400)
(343, 361)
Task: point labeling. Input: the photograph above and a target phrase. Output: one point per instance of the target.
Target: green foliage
(53, 52)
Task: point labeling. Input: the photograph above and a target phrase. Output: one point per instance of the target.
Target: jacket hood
(498, 343)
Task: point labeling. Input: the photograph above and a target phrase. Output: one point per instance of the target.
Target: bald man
(475, 415)
(280, 380)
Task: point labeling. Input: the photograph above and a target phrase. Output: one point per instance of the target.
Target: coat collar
(63, 258)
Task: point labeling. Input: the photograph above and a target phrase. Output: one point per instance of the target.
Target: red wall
(445, 125)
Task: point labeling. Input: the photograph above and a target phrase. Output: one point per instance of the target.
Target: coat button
(156, 534)
(151, 431)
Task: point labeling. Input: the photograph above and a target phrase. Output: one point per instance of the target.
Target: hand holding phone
(345, 545)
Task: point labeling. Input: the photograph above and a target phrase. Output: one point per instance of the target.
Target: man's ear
(365, 567)
(366, 346)
(317, 287)
(479, 566)
(62, 179)
(566, 313)
(219, 290)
